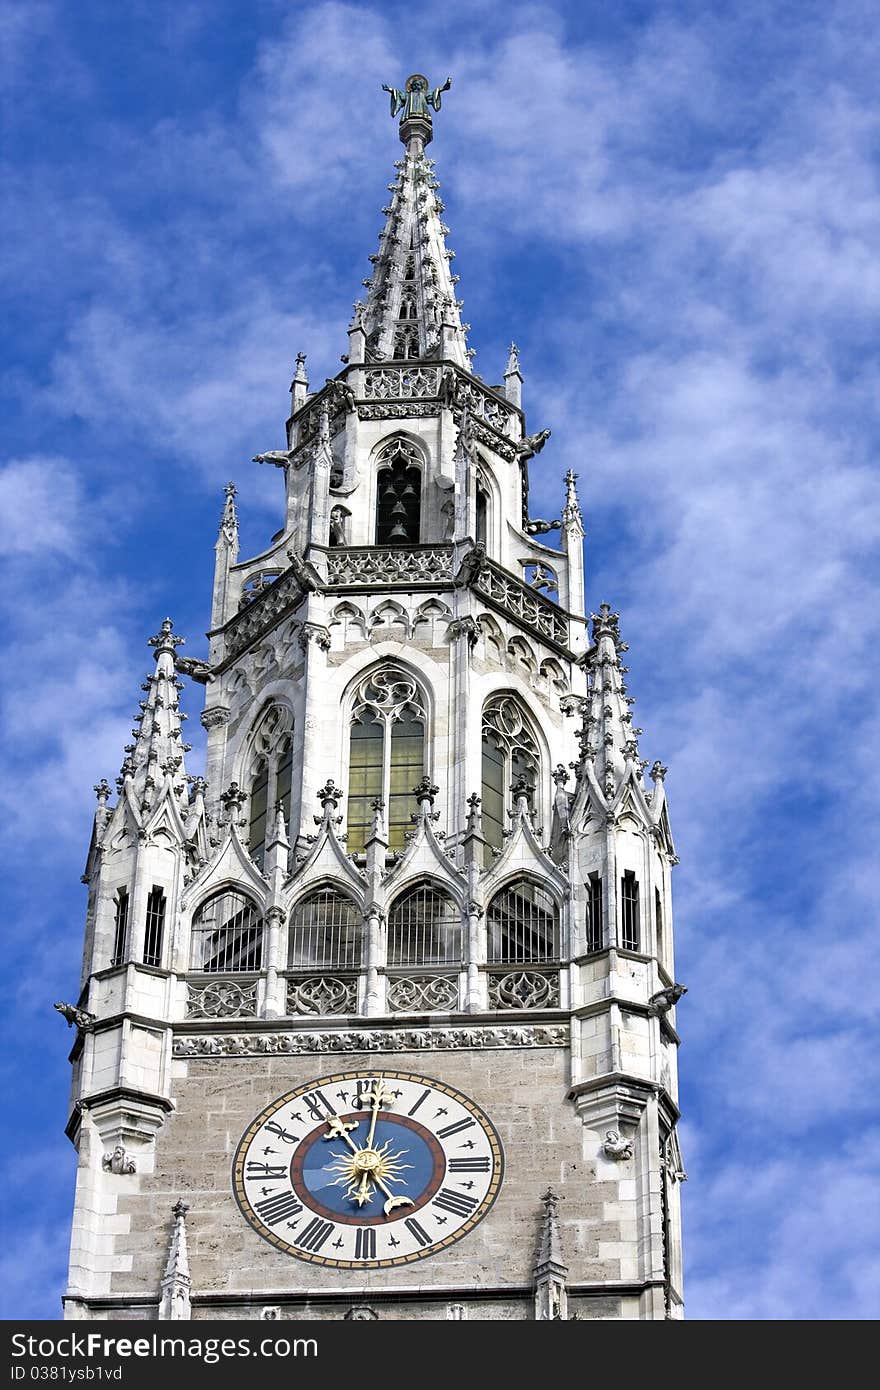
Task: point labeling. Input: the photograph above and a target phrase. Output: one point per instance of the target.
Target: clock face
(368, 1169)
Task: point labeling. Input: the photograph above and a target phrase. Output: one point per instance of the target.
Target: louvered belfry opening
(325, 932)
(398, 494)
(424, 928)
(522, 925)
(155, 927)
(227, 935)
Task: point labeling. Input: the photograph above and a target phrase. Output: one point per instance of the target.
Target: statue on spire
(416, 97)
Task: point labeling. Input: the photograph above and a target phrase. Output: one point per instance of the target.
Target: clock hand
(377, 1097)
(337, 1129)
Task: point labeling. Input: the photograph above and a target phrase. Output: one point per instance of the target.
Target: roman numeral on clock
(278, 1208)
(365, 1243)
(314, 1235)
(456, 1202)
(455, 1128)
(469, 1165)
(264, 1170)
(418, 1231)
(318, 1105)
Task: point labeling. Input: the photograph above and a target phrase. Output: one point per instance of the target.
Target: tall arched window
(523, 925)
(482, 518)
(271, 777)
(398, 494)
(510, 755)
(325, 932)
(424, 928)
(387, 756)
(227, 935)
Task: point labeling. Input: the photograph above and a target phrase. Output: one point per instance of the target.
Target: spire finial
(229, 519)
(416, 127)
(165, 639)
(572, 511)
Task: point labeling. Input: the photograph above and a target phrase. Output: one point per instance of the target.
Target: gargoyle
(666, 999)
(279, 458)
(472, 564)
(532, 444)
(194, 668)
(79, 1017)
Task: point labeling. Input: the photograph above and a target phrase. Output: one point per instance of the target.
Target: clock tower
(377, 1017)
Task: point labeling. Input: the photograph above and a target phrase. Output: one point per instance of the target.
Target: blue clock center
(351, 1181)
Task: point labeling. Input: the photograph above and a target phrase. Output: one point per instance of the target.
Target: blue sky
(674, 209)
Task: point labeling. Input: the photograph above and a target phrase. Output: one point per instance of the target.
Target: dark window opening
(399, 503)
(120, 928)
(522, 925)
(595, 923)
(155, 927)
(629, 903)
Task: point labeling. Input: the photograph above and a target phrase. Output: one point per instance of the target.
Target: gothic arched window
(424, 928)
(398, 494)
(387, 754)
(227, 934)
(325, 932)
(522, 925)
(510, 756)
(271, 778)
(482, 517)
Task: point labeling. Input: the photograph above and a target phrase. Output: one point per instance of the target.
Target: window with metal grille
(629, 911)
(424, 928)
(227, 935)
(155, 927)
(120, 928)
(595, 923)
(510, 755)
(523, 925)
(399, 490)
(658, 923)
(387, 755)
(325, 932)
(259, 810)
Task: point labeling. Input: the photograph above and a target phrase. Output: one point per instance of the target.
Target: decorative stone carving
(400, 383)
(401, 411)
(369, 1040)
(276, 600)
(390, 565)
(79, 1017)
(417, 993)
(321, 994)
(615, 1147)
(314, 632)
(221, 999)
(666, 999)
(527, 605)
(215, 718)
(119, 1161)
(361, 1313)
(524, 989)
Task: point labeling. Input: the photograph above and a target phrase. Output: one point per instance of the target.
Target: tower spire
(158, 749)
(411, 310)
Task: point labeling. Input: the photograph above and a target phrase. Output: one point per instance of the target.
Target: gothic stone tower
(377, 1018)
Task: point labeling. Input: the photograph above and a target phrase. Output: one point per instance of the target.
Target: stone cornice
(242, 1042)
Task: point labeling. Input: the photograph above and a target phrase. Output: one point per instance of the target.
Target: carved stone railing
(316, 996)
(389, 565)
(522, 988)
(262, 613)
(529, 607)
(401, 383)
(422, 993)
(482, 405)
(222, 999)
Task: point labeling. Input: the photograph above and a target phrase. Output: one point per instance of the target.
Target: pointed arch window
(398, 494)
(325, 932)
(424, 928)
(482, 516)
(510, 755)
(595, 923)
(271, 779)
(523, 925)
(387, 754)
(227, 935)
